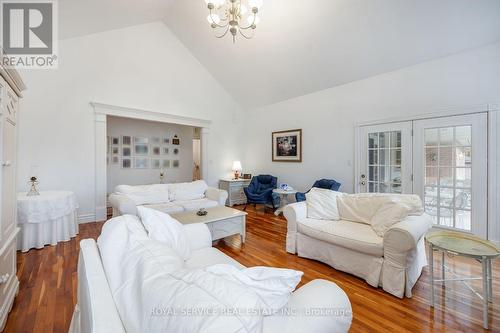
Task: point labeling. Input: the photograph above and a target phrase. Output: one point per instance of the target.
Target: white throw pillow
(165, 229)
(387, 215)
(188, 191)
(322, 204)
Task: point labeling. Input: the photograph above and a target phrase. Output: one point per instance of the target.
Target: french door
(385, 158)
(450, 170)
(443, 160)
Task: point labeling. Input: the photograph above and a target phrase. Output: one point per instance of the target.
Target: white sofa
(168, 198)
(394, 261)
(96, 311)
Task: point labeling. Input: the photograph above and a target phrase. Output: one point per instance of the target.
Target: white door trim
(101, 111)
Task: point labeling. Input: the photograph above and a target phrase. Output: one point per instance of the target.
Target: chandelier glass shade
(233, 17)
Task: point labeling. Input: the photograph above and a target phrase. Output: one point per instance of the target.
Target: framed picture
(176, 151)
(155, 140)
(247, 176)
(155, 163)
(165, 151)
(115, 150)
(156, 150)
(115, 160)
(175, 163)
(126, 140)
(166, 141)
(126, 151)
(115, 140)
(175, 140)
(141, 163)
(126, 163)
(287, 146)
(165, 164)
(141, 149)
(141, 140)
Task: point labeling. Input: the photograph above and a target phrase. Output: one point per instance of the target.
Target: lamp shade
(236, 166)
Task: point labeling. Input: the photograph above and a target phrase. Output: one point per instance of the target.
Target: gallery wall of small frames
(140, 152)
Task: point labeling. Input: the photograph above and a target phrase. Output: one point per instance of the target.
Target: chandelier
(230, 16)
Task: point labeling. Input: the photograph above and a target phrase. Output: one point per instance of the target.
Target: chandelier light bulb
(250, 20)
(243, 10)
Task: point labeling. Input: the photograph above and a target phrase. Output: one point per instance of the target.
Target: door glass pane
(447, 192)
(384, 162)
(373, 140)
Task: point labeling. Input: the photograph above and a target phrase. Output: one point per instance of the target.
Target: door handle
(6, 163)
(363, 180)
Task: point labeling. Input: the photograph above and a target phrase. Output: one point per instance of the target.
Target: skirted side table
(45, 219)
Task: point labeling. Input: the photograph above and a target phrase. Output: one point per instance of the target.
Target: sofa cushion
(352, 235)
(188, 191)
(169, 207)
(388, 215)
(145, 194)
(322, 204)
(210, 256)
(196, 204)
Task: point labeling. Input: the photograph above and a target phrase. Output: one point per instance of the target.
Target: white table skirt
(46, 219)
(37, 235)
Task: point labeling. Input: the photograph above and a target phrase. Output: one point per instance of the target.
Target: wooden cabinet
(234, 188)
(10, 90)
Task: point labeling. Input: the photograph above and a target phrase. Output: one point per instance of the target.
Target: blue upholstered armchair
(260, 190)
(328, 184)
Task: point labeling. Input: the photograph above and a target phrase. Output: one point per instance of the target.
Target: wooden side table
(462, 244)
(234, 188)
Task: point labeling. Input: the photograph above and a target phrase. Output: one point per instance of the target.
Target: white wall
(144, 67)
(328, 117)
(116, 175)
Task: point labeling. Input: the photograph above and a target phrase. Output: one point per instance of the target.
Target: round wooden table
(467, 245)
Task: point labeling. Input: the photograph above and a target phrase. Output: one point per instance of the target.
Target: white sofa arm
(405, 235)
(319, 306)
(216, 194)
(293, 213)
(198, 235)
(122, 205)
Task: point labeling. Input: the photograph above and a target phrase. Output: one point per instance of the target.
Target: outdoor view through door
(448, 162)
(384, 162)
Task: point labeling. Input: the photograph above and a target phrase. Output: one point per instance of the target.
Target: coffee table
(467, 245)
(222, 221)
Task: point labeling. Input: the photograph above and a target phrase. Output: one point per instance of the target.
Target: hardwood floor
(48, 284)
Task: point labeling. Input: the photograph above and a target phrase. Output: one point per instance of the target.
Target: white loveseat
(168, 198)
(318, 306)
(393, 261)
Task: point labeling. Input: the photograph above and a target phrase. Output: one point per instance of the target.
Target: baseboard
(7, 306)
(101, 213)
(86, 218)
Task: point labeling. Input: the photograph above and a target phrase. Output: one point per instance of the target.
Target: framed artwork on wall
(126, 163)
(126, 151)
(165, 164)
(141, 163)
(175, 140)
(175, 163)
(155, 163)
(287, 146)
(115, 160)
(176, 151)
(155, 140)
(115, 140)
(141, 140)
(115, 150)
(141, 149)
(165, 141)
(126, 140)
(156, 150)
(165, 151)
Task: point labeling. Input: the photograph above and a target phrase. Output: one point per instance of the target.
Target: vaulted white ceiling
(302, 46)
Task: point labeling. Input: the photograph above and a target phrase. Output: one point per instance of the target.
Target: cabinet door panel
(8, 178)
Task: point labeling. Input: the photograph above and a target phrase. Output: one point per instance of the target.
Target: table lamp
(237, 169)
